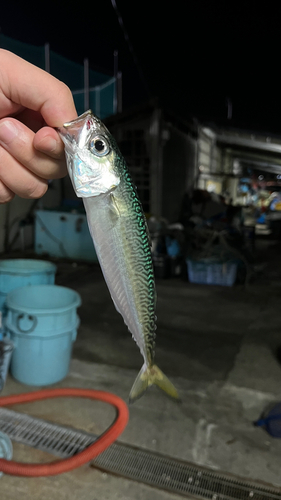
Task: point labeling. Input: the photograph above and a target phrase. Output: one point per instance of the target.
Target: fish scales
(118, 227)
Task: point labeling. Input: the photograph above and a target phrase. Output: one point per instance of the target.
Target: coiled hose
(65, 465)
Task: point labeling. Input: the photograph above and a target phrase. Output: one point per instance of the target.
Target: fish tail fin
(148, 376)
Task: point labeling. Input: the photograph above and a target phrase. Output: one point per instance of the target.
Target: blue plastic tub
(15, 273)
(42, 323)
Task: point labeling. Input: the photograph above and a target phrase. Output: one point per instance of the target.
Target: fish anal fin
(148, 376)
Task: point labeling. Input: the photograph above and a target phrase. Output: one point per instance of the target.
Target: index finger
(24, 85)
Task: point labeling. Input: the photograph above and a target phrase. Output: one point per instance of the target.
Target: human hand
(32, 102)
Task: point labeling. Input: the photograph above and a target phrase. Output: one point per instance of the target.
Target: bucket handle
(31, 318)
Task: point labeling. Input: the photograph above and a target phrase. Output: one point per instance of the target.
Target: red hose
(65, 465)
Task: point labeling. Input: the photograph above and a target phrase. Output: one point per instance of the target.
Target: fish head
(91, 155)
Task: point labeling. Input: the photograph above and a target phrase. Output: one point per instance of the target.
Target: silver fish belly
(119, 232)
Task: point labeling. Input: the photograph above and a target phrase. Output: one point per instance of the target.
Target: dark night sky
(192, 54)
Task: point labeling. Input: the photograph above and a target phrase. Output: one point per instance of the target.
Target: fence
(90, 89)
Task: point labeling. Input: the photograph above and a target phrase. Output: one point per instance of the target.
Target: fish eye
(99, 146)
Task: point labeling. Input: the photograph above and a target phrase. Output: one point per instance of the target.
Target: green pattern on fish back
(140, 258)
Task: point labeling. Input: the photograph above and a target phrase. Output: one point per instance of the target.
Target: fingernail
(8, 132)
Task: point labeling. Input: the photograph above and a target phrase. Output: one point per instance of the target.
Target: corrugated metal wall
(210, 161)
(179, 170)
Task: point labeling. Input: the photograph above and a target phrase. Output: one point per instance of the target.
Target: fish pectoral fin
(148, 376)
(114, 212)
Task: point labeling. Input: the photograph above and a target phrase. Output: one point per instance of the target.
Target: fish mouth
(70, 138)
(75, 132)
(66, 137)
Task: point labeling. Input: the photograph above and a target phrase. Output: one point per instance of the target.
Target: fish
(118, 227)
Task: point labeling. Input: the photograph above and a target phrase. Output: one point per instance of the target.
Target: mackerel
(119, 231)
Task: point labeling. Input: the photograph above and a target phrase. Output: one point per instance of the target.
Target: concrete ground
(221, 348)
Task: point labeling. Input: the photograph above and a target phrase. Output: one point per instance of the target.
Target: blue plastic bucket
(6, 448)
(15, 273)
(42, 323)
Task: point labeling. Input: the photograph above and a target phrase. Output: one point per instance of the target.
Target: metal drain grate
(56, 439)
(178, 477)
(133, 463)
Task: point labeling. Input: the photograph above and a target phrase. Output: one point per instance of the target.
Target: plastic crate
(212, 272)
